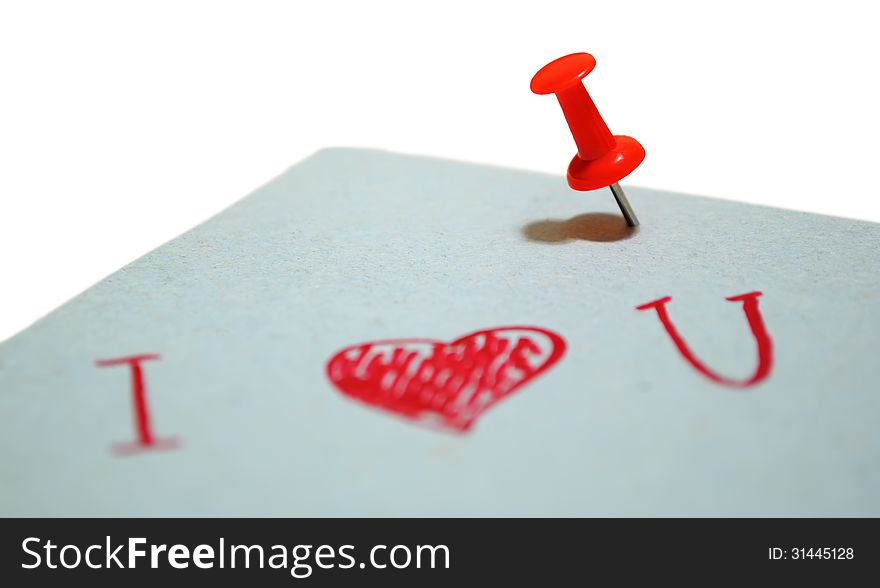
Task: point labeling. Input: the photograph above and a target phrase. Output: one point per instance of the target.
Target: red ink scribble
(447, 385)
(756, 324)
(145, 438)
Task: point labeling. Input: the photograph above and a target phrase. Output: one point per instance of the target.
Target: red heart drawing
(445, 384)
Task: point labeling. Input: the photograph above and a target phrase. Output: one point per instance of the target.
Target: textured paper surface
(351, 246)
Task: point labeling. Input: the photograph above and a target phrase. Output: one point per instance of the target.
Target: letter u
(756, 324)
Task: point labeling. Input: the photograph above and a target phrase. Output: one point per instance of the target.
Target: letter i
(145, 441)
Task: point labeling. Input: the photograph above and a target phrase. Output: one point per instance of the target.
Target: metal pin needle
(624, 205)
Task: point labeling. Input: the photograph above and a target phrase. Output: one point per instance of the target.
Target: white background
(123, 124)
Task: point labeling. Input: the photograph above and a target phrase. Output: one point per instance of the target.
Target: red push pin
(602, 159)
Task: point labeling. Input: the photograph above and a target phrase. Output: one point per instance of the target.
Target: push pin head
(602, 159)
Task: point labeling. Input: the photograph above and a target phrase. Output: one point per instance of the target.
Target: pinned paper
(378, 334)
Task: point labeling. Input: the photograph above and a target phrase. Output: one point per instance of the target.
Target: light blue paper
(355, 245)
